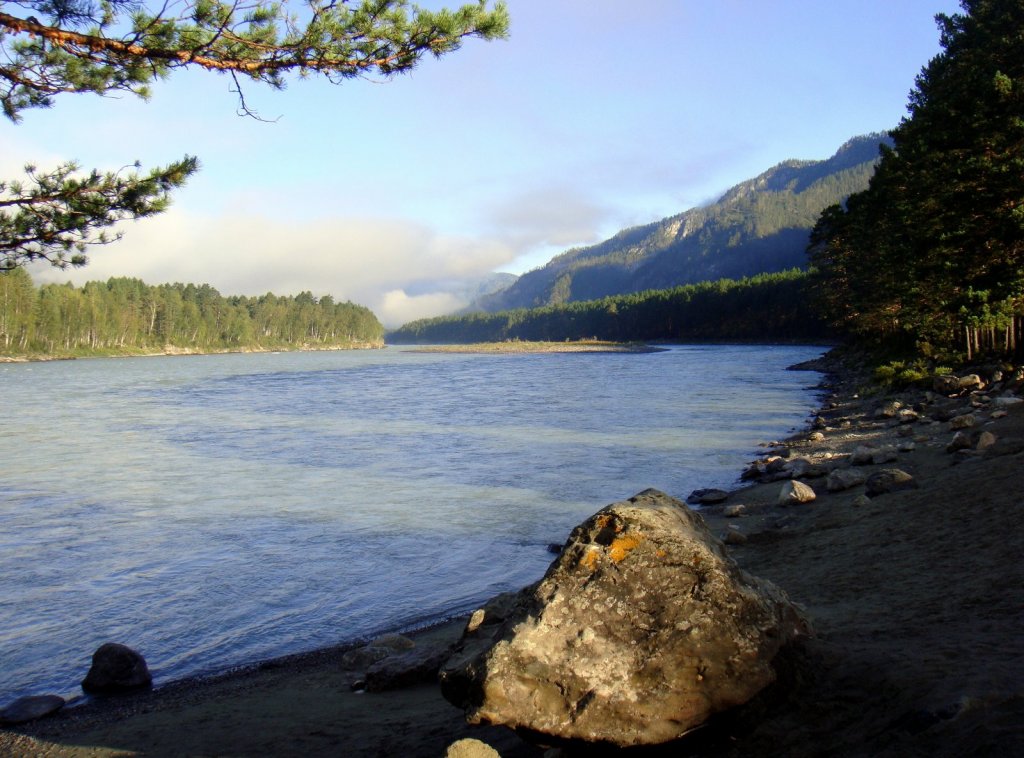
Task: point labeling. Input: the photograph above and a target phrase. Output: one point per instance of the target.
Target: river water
(214, 511)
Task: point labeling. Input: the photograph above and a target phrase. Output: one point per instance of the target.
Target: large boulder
(116, 668)
(639, 632)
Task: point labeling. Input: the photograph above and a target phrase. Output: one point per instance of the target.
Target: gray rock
(30, 708)
(734, 536)
(844, 479)
(795, 493)
(971, 382)
(890, 409)
(961, 441)
(707, 497)
(946, 384)
(882, 455)
(116, 668)
(908, 416)
(414, 666)
(862, 456)
(639, 632)
(735, 511)
(1006, 401)
(964, 421)
(361, 658)
(985, 440)
(889, 480)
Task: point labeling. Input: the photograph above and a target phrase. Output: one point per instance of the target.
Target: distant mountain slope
(761, 225)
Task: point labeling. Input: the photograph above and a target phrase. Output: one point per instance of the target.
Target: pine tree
(53, 47)
(933, 252)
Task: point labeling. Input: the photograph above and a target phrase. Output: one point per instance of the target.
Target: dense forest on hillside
(759, 226)
(929, 260)
(125, 315)
(766, 308)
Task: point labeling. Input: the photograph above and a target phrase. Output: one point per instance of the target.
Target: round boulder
(116, 668)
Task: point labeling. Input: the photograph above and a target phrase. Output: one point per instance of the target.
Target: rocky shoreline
(915, 596)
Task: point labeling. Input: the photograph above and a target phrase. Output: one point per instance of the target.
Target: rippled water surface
(218, 510)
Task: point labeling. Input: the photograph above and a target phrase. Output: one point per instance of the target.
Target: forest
(125, 316)
(929, 260)
(763, 308)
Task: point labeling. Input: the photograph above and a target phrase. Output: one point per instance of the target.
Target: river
(213, 511)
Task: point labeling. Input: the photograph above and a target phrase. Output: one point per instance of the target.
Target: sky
(594, 116)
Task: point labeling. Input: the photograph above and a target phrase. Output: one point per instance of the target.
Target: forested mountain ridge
(127, 316)
(760, 225)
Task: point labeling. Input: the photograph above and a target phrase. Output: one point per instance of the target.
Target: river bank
(915, 597)
(172, 350)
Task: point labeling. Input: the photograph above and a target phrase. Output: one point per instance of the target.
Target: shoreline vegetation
(914, 596)
(172, 350)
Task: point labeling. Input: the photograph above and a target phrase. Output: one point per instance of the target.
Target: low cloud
(372, 262)
(397, 307)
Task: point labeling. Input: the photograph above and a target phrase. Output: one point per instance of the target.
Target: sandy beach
(916, 598)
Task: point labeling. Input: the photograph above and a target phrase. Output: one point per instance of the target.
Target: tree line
(124, 315)
(929, 260)
(764, 308)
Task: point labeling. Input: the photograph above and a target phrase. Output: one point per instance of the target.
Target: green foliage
(54, 216)
(899, 374)
(124, 315)
(933, 251)
(122, 46)
(54, 47)
(767, 307)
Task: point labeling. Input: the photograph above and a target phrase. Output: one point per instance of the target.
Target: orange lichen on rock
(623, 546)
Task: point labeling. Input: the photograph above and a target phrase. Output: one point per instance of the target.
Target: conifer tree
(49, 48)
(934, 249)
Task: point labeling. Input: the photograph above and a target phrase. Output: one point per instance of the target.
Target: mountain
(758, 226)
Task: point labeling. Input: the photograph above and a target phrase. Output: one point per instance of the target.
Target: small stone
(794, 492)
(889, 410)
(996, 415)
(816, 437)
(888, 480)
(946, 384)
(985, 440)
(844, 479)
(471, 748)
(735, 511)
(884, 455)
(30, 708)
(960, 441)
(971, 382)
(907, 446)
(707, 497)
(733, 536)
(862, 456)
(1006, 401)
(964, 421)
(861, 500)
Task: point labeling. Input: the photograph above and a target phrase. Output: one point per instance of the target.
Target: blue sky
(593, 116)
